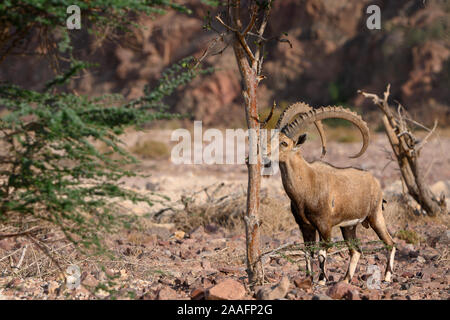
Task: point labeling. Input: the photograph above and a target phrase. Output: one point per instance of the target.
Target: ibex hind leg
(349, 234)
(379, 226)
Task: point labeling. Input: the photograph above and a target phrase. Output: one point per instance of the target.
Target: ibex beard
(323, 196)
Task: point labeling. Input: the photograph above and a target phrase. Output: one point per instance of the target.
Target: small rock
(90, 281)
(321, 297)
(278, 291)
(148, 296)
(110, 273)
(212, 228)
(179, 234)
(198, 233)
(151, 186)
(343, 290)
(167, 293)
(371, 295)
(228, 289)
(405, 286)
(407, 274)
(53, 287)
(303, 283)
(420, 259)
(197, 293)
(206, 264)
(7, 244)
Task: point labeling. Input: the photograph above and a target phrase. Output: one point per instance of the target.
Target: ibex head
(294, 121)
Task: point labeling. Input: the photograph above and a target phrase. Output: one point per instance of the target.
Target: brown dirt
(197, 239)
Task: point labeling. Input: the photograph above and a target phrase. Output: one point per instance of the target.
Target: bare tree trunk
(250, 84)
(249, 60)
(407, 150)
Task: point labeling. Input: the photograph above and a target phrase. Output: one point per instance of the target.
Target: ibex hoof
(387, 277)
(322, 282)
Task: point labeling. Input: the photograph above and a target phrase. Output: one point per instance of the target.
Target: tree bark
(407, 155)
(252, 223)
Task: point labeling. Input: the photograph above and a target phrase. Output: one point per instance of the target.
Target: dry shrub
(151, 149)
(410, 236)
(342, 134)
(228, 214)
(398, 211)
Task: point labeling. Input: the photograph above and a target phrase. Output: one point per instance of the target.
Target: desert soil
(196, 240)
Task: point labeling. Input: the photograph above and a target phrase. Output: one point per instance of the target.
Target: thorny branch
(406, 148)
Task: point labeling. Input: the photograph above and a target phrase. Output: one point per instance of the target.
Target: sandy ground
(186, 246)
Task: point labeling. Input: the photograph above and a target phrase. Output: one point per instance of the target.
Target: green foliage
(49, 168)
(437, 30)
(410, 236)
(213, 3)
(151, 149)
(19, 19)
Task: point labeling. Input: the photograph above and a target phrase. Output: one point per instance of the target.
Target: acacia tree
(50, 170)
(246, 22)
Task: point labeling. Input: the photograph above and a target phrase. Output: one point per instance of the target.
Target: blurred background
(333, 55)
(69, 179)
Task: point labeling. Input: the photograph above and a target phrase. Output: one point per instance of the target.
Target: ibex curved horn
(301, 108)
(294, 129)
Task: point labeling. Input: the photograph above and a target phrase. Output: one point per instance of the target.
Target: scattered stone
(162, 230)
(206, 264)
(179, 235)
(151, 186)
(53, 287)
(230, 269)
(407, 274)
(343, 290)
(228, 289)
(278, 291)
(212, 228)
(167, 293)
(197, 294)
(371, 295)
(421, 259)
(7, 244)
(405, 286)
(90, 281)
(321, 297)
(198, 233)
(303, 283)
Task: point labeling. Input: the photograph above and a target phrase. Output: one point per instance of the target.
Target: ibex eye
(284, 143)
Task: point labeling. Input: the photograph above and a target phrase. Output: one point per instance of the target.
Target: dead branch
(264, 123)
(19, 234)
(406, 148)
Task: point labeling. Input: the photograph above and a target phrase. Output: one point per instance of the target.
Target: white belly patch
(349, 223)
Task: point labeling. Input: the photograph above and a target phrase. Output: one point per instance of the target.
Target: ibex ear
(301, 139)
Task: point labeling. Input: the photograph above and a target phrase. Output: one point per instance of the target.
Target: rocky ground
(333, 54)
(193, 245)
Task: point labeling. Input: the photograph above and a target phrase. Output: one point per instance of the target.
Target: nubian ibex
(323, 196)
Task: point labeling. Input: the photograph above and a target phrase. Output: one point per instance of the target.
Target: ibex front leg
(325, 237)
(309, 238)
